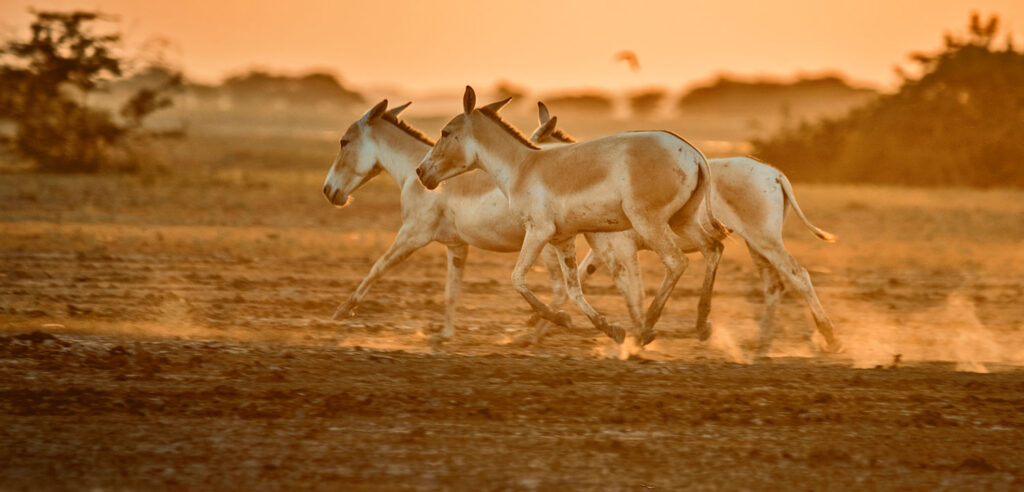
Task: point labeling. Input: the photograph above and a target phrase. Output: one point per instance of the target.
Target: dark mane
(561, 136)
(402, 125)
(508, 128)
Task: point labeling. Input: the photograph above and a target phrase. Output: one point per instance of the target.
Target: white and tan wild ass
(751, 198)
(469, 210)
(645, 181)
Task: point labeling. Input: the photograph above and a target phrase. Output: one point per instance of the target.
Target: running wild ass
(752, 199)
(644, 181)
(469, 210)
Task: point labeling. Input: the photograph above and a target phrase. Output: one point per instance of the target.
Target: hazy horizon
(439, 48)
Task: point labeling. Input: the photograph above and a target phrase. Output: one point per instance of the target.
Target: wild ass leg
(406, 242)
(712, 256)
(456, 266)
(533, 243)
(549, 255)
(774, 288)
(619, 253)
(662, 240)
(796, 276)
(589, 265)
(567, 256)
(558, 297)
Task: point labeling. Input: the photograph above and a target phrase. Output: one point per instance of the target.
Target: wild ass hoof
(614, 331)
(647, 337)
(834, 347)
(534, 337)
(617, 333)
(344, 311)
(561, 318)
(439, 338)
(524, 340)
(704, 331)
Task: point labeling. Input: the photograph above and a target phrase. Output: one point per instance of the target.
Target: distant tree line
(262, 90)
(960, 122)
(809, 96)
(725, 96)
(582, 100)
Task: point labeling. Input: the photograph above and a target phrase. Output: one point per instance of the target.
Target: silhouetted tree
(45, 83)
(961, 122)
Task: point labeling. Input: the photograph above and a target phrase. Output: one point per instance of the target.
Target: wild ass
(645, 181)
(468, 211)
(751, 198)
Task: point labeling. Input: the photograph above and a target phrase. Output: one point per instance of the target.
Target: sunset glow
(440, 45)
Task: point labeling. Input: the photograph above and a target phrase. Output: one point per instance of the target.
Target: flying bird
(630, 58)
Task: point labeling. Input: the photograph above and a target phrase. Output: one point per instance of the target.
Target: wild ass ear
(398, 110)
(375, 111)
(542, 113)
(546, 129)
(497, 105)
(468, 100)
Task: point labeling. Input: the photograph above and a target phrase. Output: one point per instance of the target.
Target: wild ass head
(358, 158)
(458, 150)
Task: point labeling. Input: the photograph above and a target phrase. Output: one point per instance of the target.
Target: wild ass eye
(445, 133)
(343, 142)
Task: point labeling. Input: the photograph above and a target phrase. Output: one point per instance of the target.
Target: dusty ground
(172, 331)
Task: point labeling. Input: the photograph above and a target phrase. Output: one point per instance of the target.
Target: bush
(961, 122)
(45, 83)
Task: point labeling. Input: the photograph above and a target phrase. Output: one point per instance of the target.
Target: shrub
(961, 122)
(45, 83)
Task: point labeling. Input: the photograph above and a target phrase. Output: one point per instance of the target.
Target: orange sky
(541, 44)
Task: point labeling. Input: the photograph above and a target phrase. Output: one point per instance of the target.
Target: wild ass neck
(499, 152)
(398, 152)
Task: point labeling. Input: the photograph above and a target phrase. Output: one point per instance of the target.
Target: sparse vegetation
(961, 122)
(45, 88)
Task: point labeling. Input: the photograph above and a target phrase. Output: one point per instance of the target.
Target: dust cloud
(949, 332)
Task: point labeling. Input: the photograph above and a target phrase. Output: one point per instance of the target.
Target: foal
(468, 211)
(752, 199)
(645, 181)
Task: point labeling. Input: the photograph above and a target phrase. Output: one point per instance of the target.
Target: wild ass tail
(701, 193)
(705, 181)
(787, 192)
